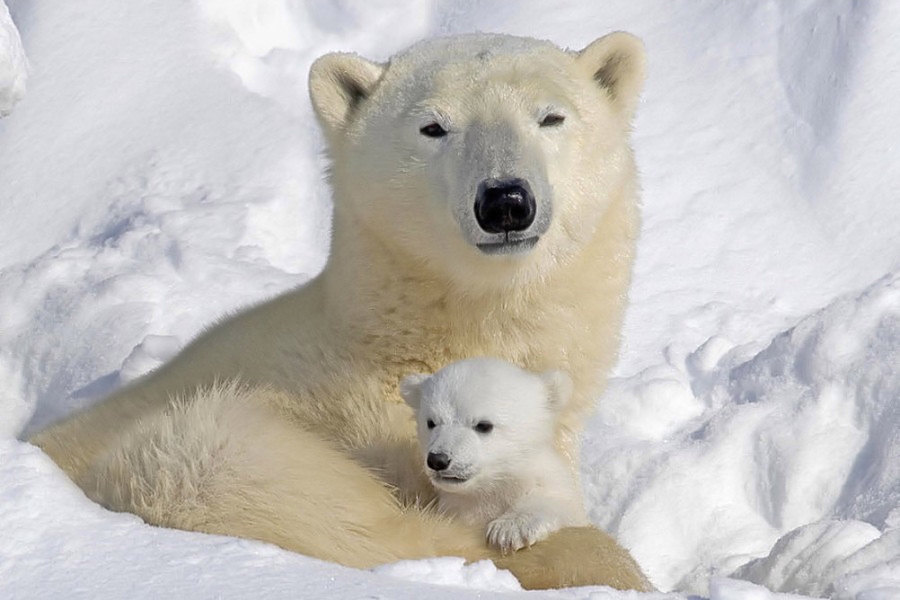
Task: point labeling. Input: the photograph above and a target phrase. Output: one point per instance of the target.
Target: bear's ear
(411, 389)
(616, 62)
(338, 83)
(559, 389)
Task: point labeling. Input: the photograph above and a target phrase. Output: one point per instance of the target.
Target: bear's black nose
(502, 206)
(438, 461)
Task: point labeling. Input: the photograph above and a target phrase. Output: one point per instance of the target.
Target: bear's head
(487, 158)
(481, 420)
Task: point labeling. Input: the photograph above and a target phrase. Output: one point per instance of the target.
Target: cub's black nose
(438, 461)
(502, 206)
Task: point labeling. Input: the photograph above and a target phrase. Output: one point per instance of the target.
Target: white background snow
(164, 168)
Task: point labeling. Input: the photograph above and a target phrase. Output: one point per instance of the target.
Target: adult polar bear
(485, 204)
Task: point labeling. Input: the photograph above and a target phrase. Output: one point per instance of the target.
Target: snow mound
(13, 66)
(481, 575)
(722, 455)
(832, 558)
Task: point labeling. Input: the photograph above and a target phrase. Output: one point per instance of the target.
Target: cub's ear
(338, 83)
(559, 389)
(411, 389)
(617, 62)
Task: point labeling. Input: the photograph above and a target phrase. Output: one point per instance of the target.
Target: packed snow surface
(13, 65)
(164, 169)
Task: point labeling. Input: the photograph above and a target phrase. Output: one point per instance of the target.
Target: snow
(818, 558)
(164, 169)
(750, 448)
(452, 570)
(722, 588)
(13, 65)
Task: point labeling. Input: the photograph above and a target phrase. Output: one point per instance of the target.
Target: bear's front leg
(528, 521)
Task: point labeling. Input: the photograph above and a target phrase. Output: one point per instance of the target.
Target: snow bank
(13, 66)
(839, 559)
(165, 169)
(702, 464)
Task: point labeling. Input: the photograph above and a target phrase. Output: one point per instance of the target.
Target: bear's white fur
(306, 449)
(486, 429)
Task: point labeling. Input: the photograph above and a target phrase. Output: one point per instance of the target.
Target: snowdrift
(700, 468)
(13, 66)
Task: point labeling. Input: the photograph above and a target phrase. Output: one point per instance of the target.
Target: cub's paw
(515, 530)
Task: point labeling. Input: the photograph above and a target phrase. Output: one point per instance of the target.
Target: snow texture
(165, 170)
(13, 66)
(699, 468)
(450, 570)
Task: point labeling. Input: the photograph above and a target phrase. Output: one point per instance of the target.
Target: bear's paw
(515, 530)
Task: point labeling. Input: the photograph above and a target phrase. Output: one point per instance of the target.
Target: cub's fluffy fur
(486, 429)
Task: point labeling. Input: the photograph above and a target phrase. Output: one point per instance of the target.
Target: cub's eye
(433, 130)
(552, 120)
(484, 427)
(430, 424)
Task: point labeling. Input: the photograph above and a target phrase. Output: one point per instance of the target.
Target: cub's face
(488, 158)
(481, 420)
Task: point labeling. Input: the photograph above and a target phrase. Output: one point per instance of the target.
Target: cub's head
(488, 158)
(480, 420)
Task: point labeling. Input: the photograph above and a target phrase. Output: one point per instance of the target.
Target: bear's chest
(542, 338)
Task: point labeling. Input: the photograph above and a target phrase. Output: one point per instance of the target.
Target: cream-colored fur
(283, 423)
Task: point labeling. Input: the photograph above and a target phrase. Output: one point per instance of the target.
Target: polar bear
(485, 204)
(486, 430)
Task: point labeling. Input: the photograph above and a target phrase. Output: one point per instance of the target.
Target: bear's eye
(433, 130)
(429, 423)
(552, 120)
(484, 427)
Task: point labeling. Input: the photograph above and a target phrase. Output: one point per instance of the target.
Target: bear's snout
(504, 205)
(438, 461)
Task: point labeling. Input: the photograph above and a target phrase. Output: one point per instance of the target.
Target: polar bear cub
(486, 429)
